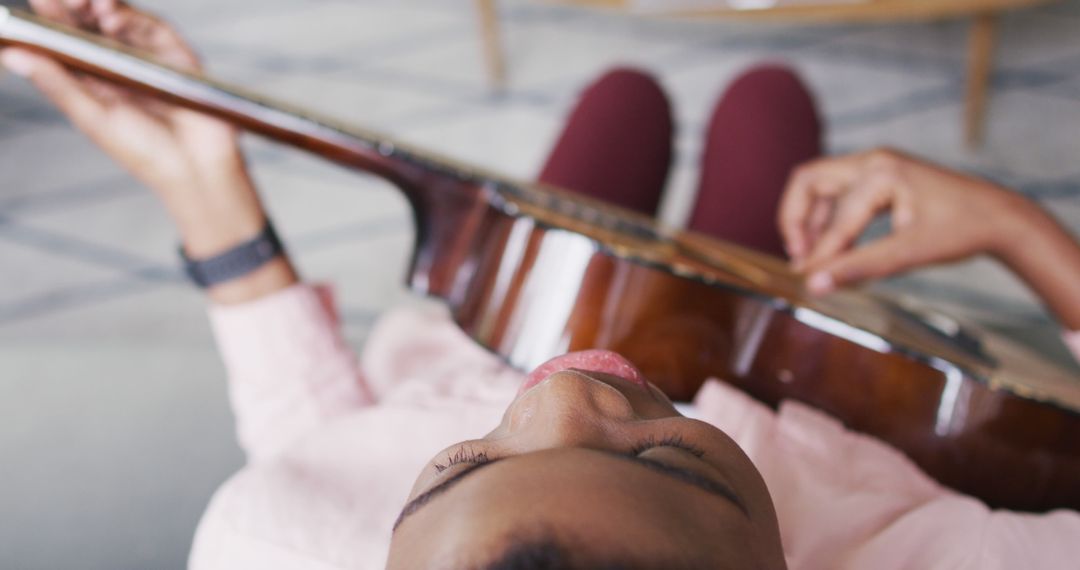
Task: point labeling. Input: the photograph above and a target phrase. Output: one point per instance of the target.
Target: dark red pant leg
(617, 143)
(764, 125)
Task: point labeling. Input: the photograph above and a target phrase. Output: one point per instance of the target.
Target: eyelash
(467, 455)
(675, 441)
(462, 455)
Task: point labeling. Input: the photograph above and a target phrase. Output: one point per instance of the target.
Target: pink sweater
(333, 446)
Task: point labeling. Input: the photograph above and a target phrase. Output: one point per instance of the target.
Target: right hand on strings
(937, 216)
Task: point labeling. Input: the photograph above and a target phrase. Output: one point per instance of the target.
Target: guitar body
(532, 272)
(529, 292)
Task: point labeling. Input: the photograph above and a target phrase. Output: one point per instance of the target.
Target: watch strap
(236, 262)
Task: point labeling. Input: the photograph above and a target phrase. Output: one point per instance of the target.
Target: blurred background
(114, 427)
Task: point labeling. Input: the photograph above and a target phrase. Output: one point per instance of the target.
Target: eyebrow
(685, 475)
(425, 497)
(677, 473)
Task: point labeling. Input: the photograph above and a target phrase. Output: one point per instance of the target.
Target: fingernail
(17, 62)
(820, 283)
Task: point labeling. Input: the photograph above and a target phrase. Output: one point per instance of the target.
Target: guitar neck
(435, 186)
(346, 145)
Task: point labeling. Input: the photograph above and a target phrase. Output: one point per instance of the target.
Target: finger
(59, 85)
(102, 8)
(821, 215)
(822, 212)
(827, 177)
(855, 211)
(53, 10)
(887, 256)
(795, 204)
(129, 26)
(104, 91)
(145, 32)
(81, 12)
(904, 210)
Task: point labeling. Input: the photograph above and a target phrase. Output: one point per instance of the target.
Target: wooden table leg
(982, 40)
(492, 44)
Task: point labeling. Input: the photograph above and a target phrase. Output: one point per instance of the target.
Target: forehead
(605, 503)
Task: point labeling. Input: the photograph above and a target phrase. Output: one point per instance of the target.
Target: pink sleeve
(1072, 340)
(289, 368)
(845, 500)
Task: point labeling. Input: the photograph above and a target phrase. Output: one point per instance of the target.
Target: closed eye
(673, 440)
(467, 455)
(463, 455)
(704, 483)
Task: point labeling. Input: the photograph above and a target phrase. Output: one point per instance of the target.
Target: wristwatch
(236, 262)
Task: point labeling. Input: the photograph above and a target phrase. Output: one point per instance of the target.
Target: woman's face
(593, 454)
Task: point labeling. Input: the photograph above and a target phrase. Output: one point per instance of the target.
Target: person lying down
(429, 452)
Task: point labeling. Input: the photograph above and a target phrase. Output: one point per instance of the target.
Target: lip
(602, 361)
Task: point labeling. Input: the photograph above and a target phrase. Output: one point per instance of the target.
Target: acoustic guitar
(531, 272)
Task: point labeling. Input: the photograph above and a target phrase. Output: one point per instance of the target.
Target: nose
(569, 409)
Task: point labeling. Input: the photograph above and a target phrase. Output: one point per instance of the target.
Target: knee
(626, 86)
(773, 84)
(626, 78)
(772, 91)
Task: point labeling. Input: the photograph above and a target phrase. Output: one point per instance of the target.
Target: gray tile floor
(114, 426)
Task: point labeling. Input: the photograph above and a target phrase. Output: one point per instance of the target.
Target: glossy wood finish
(532, 272)
(529, 292)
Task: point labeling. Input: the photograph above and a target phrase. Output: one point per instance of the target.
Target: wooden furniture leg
(982, 40)
(491, 42)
